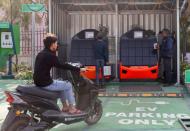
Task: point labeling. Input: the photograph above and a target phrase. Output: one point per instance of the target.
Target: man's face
(164, 34)
(54, 47)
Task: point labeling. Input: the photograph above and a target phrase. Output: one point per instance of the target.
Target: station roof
(109, 5)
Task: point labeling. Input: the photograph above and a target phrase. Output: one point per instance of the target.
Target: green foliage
(103, 31)
(184, 66)
(184, 24)
(24, 72)
(12, 13)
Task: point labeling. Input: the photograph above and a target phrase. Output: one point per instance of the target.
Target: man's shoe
(167, 84)
(161, 80)
(98, 85)
(102, 86)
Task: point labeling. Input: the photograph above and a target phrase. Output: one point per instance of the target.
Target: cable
(138, 9)
(171, 8)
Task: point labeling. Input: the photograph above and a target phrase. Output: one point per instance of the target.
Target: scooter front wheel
(95, 113)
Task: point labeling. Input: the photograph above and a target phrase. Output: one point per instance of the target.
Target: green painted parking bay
(124, 114)
(137, 114)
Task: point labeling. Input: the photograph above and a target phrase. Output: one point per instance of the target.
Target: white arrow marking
(138, 101)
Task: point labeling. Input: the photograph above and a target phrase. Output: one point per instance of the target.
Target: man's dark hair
(49, 40)
(100, 36)
(160, 32)
(166, 30)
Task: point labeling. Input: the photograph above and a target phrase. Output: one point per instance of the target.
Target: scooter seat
(36, 91)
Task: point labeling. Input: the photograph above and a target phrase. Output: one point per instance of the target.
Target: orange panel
(138, 72)
(91, 73)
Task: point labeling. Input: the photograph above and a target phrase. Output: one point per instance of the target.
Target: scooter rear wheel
(95, 114)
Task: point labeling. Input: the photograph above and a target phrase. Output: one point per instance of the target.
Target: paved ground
(121, 114)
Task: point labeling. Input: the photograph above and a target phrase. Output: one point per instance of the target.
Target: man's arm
(170, 43)
(57, 64)
(105, 53)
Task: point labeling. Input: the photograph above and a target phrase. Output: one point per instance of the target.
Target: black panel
(138, 52)
(82, 49)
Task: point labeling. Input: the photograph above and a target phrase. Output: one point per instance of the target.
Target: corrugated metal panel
(59, 22)
(77, 22)
(67, 24)
(70, 23)
(154, 22)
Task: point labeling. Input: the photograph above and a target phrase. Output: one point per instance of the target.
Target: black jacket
(167, 48)
(45, 60)
(100, 50)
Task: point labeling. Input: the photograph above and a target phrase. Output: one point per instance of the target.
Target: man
(160, 61)
(166, 55)
(174, 77)
(47, 59)
(101, 57)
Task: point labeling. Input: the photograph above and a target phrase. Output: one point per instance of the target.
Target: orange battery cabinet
(138, 72)
(91, 73)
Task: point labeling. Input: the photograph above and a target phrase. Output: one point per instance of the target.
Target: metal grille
(26, 44)
(26, 41)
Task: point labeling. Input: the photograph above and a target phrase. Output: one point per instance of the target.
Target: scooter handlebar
(76, 64)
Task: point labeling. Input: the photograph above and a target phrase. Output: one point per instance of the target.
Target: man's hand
(83, 69)
(107, 63)
(156, 46)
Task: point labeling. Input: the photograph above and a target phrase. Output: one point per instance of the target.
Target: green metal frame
(5, 52)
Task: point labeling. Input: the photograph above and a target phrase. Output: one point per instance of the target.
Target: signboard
(187, 76)
(89, 35)
(6, 40)
(33, 8)
(4, 25)
(107, 70)
(138, 34)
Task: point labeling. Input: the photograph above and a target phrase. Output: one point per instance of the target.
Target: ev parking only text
(146, 116)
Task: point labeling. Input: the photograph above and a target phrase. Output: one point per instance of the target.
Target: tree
(12, 13)
(184, 28)
(185, 23)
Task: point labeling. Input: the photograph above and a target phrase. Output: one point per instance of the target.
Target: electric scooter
(35, 109)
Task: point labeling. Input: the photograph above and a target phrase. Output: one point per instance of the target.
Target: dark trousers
(167, 70)
(174, 70)
(160, 68)
(99, 65)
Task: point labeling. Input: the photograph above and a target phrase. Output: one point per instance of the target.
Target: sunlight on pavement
(4, 110)
(11, 86)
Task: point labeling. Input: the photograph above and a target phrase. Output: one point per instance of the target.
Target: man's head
(100, 36)
(160, 33)
(165, 33)
(50, 42)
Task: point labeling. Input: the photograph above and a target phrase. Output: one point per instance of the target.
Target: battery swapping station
(82, 49)
(138, 58)
(9, 46)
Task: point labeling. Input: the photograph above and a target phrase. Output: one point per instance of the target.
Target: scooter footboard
(62, 117)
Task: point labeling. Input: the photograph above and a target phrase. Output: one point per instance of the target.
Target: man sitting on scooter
(47, 59)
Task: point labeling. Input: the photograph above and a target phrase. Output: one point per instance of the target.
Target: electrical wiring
(156, 6)
(172, 8)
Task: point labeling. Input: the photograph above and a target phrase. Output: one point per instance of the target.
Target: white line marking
(11, 86)
(58, 126)
(139, 102)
